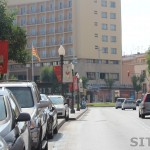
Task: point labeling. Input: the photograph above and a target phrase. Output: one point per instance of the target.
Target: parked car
(14, 125)
(119, 102)
(61, 105)
(128, 104)
(144, 106)
(29, 99)
(52, 124)
(138, 101)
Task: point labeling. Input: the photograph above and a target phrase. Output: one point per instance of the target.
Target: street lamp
(78, 98)
(72, 104)
(61, 52)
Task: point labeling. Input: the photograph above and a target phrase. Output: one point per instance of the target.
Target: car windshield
(2, 109)
(120, 100)
(23, 96)
(57, 100)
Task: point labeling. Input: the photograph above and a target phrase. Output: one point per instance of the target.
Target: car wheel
(56, 130)
(139, 115)
(67, 117)
(116, 108)
(143, 116)
(50, 132)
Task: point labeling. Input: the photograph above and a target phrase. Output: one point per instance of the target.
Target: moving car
(52, 124)
(62, 107)
(119, 102)
(128, 104)
(144, 106)
(29, 100)
(14, 125)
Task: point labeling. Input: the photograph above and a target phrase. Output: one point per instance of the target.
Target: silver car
(62, 107)
(129, 104)
(119, 102)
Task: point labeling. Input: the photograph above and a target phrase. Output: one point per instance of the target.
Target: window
(113, 38)
(51, 6)
(33, 10)
(23, 21)
(70, 51)
(53, 53)
(33, 20)
(70, 15)
(42, 8)
(104, 26)
(60, 5)
(112, 4)
(102, 75)
(42, 31)
(43, 53)
(113, 51)
(105, 49)
(114, 76)
(91, 75)
(104, 38)
(103, 3)
(42, 19)
(43, 42)
(2, 109)
(113, 27)
(23, 95)
(33, 31)
(112, 16)
(23, 10)
(104, 15)
(70, 3)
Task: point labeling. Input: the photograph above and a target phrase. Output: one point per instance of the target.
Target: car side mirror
(53, 108)
(43, 104)
(23, 117)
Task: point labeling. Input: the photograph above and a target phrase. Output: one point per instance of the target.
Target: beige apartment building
(89, 30)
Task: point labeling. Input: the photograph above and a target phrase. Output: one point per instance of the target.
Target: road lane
(104, 129)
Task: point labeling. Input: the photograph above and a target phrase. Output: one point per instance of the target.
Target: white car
(129, 104)
(61, 106)
(119, 102)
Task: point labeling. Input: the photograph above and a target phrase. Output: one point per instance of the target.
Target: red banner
(75, 84)
(3, 56)
(57, 71)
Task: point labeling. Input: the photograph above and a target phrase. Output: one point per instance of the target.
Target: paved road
(104, 129)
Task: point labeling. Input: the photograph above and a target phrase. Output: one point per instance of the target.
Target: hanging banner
(57, 71)
(67, 73)
(3, 56)
(75, 83)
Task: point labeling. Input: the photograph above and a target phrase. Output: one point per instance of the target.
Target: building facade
(89, 30)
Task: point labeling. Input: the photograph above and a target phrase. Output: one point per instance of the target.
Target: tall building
(89, 30)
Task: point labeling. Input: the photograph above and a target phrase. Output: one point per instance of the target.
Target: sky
(135, 26)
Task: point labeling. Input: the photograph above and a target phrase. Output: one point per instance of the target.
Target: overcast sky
(135, 26)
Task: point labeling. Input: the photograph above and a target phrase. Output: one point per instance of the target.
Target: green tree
(137, 82)
(84, 81)
(109, 83)
(148, 59)
(15, 35)
(48, 76)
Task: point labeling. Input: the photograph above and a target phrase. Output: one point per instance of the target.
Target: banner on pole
(57, 71)
(67, 73)
(3, 56)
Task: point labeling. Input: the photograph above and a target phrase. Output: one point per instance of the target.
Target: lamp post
(61, 52)
(78, 97)
(72, 102)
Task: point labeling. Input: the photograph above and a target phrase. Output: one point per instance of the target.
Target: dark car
(14, 125)
(144, 106)
(52, 124)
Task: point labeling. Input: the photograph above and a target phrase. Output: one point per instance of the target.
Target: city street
(104, 129)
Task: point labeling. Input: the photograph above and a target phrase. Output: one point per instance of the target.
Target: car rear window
(2, 109)
(57, 100)
(120, 100)
(23, 96)
(147, 98)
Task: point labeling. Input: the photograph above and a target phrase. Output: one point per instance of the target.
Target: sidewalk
(74, 116)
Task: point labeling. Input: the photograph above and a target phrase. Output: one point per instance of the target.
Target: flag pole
(32, 65)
